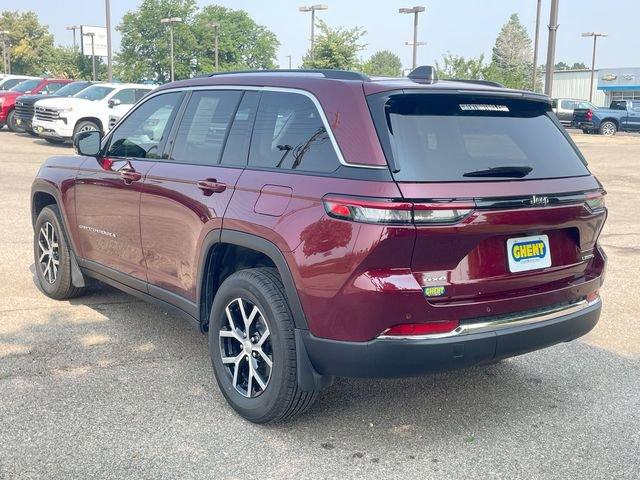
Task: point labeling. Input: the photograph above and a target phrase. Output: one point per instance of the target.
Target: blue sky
(464, 27)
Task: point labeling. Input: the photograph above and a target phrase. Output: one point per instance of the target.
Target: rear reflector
(387, 211)
(429, 328)
(592, 297)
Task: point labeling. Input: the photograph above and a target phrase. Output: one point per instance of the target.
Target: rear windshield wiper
(507, 172)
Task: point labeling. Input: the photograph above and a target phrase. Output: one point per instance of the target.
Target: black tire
(54, 141)
(84, 126)
(57, 286)
(281, 398)
(608, 128)
(11, 122)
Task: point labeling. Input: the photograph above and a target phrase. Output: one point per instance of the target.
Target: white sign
(99, 40)
(528, 253)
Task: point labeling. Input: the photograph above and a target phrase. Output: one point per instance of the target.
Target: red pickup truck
(35, 86)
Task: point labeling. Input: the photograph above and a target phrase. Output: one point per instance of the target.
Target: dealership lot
(107, 386)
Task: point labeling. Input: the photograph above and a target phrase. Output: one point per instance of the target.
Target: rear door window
(434, 137)
(236, 150)
(203, 129)
(289, 134)
(567, 104)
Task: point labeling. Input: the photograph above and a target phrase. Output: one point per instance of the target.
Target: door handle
(211, 185)
(130, 176)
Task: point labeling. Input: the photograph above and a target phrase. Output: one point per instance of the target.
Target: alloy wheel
(48, 252)
(245, 347)
(608, 129)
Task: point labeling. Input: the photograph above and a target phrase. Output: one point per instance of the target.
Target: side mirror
(88, 143)
(114, 102)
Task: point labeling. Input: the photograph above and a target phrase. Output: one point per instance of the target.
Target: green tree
(511, 62)
(64, 62)
(335, 48)
(30, 42)
(383, 63)
(456, 66)
(243, 44)
(144, 48)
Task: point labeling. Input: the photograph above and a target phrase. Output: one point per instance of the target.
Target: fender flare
(259, 244)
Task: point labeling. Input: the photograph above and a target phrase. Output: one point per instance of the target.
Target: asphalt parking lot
(106, 386)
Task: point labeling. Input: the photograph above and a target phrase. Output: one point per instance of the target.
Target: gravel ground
(106, 386)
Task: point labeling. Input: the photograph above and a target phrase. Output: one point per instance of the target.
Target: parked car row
(622, 115)
(57, 109)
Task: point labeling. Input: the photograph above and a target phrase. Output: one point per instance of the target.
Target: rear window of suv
(440, 137)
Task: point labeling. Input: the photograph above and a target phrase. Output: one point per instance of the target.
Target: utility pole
(92, 35)
(74, 28)
(5, 68)
(415, 44)
(534, 74)
(595, 36)
(171, 21)
(215, 26)
(107, 8)
(551, 48)
(313, 9)
(289, 57)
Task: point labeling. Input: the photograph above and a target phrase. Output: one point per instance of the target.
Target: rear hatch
(518, 212)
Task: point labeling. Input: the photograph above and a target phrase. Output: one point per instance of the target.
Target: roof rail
(327, 73)
(489, 83)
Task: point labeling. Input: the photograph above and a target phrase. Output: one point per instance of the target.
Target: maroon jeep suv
(324, 223)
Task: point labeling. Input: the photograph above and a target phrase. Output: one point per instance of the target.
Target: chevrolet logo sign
(609, 77)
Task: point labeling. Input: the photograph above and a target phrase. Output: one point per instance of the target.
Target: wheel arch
(218, 244)
(613, 120)
(95, 120)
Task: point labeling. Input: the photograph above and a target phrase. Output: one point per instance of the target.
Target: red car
(322, 223)
(35, 86)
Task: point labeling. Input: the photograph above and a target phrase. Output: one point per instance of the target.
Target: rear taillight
(429, 328)
(367, 210)
(589, 115)
(595, 201)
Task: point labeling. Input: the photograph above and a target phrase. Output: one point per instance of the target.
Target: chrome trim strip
(307, 94)
(501, 323)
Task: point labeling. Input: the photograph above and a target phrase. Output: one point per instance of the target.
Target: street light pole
(74, 28)
(171, 21)
(92, 35)
(289, 57)
(5, 68)
(534, 74)
(595, 36)
(551, 47)
(107, 8)
(215, 26)
(312, 9)
(415, 44)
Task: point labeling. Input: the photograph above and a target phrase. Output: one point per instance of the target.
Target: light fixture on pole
(312, 9)
(74, 28)
(415, 43)
(92, 35)
(171, 21)
(216, 27)
(595, 36)
(107, 9)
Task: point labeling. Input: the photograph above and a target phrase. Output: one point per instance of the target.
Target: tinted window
(95, 92)
(460, 138)
(567, 104)
(51, 88)
(71, 89)
(204, 125)
(26, 86)
(236, 149)
(10, 83)
(289, 134)
(142, 133)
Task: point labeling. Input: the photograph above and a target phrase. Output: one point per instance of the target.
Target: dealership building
(609, 84)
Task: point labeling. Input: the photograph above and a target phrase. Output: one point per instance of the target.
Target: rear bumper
(585, 125)
(391, 357)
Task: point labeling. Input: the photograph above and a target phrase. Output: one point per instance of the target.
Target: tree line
(243, 44)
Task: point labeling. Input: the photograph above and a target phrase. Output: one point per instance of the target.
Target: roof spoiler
(423, 74)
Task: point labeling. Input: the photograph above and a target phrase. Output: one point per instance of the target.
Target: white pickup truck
(58, 119)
